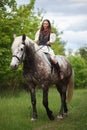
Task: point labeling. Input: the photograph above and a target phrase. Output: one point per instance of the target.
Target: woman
(45, 37)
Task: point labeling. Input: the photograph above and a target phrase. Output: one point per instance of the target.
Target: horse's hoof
(65, 114)
(33, 119)
(52, 118)
(60, 116)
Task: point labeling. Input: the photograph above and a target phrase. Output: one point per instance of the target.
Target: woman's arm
(37, 36)
(52, 39)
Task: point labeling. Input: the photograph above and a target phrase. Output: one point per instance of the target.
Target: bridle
(17, 56)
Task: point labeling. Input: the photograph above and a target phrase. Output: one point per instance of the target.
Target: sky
(69, 16)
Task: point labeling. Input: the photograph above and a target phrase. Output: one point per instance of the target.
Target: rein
(41, 48)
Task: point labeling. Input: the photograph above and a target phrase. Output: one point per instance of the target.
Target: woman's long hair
(49, 26)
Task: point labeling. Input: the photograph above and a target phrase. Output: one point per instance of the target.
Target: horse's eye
(21, 49)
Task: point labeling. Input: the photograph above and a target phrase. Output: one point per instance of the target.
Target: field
(16, 111)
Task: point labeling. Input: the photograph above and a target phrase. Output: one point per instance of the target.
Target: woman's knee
(53, 60)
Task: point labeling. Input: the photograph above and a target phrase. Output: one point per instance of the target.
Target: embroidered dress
(43, 39)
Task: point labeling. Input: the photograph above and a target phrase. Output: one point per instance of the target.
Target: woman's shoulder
(38, 31)
(52, 37)
(53, 34)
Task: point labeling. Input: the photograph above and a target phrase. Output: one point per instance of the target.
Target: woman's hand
(48, 43)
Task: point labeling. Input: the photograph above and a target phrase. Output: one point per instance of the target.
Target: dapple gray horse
(38, 71)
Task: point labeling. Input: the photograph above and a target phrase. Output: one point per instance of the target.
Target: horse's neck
(30, 53)
(31, 56)
(30, 42)
(33, 50)
(35, 64)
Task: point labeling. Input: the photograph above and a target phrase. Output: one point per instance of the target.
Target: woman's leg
(55, 62)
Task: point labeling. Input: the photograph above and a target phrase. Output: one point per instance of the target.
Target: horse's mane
(30, 52)
(30, 60)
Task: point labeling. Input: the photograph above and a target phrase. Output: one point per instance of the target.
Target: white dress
(46, 49)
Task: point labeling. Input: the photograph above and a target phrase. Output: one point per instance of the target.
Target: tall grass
(16, 111)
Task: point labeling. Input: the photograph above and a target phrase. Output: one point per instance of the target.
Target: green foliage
(5, 39)
(83, 53)
(80, 70)
(11, 80)
(58, 46)
(17, 20)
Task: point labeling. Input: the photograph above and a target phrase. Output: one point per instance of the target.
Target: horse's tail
(70, 87)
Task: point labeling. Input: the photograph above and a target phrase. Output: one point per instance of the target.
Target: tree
(83, 52)
(5, 5)
(17, 20)
(58, 46)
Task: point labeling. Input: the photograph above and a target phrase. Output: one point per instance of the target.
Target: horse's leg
(45, 103)
(65, 104)
(33, 101)
(60, 114)
(63, 108)
(64, 97)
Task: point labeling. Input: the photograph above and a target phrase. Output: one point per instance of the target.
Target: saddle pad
(62, 61)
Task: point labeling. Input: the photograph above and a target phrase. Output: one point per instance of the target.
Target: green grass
(16, 111)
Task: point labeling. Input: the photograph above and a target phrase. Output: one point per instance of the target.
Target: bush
(11, 80)
(80, 71)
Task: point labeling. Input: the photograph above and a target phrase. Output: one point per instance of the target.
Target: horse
(38, 71)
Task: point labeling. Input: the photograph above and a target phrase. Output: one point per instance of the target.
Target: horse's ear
(23, 37)
(14, 36)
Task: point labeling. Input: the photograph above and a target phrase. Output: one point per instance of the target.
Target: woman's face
(45, 24)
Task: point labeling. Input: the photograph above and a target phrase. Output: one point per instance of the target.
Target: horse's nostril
(13, 66)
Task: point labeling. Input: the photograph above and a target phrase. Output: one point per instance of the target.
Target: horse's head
(18, 47)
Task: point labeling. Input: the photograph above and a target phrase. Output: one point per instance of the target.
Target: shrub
(80, 71)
